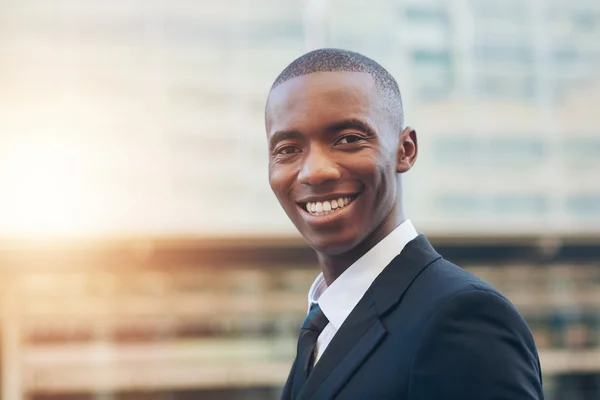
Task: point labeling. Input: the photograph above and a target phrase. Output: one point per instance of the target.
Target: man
(389, 317)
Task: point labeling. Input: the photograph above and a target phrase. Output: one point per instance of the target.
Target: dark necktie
(312, 327)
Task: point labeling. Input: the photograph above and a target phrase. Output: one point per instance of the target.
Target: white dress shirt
(339, 299)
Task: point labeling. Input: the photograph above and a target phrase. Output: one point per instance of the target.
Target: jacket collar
(363, 330)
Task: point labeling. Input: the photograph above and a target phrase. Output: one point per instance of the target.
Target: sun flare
(42, 190)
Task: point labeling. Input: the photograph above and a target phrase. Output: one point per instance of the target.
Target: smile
(327, 207)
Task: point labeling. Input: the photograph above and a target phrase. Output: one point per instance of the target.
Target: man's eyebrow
(351, 123)
(280, 136)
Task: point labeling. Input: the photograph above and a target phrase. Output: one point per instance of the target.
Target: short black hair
(332, 60)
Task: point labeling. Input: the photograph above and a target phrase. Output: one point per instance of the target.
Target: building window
(514, 54)
(514, 11)
(506, 87)
(281, 30)
(518, 205)
(586, 21)
(434, 74)
(458, 205)
(565, 54)
(515, 150)
(584, 206)
(432, 57)
(583, 150)
(424, 15)
(453, 150)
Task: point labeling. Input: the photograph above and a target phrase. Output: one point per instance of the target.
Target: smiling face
(334, 158)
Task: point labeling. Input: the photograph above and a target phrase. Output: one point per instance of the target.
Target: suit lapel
(396, 278)
(286, 393)
(363, 330)
(355, 340)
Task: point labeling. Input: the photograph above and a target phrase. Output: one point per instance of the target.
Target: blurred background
(142, 254)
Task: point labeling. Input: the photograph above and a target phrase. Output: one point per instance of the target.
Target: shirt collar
(340, 298)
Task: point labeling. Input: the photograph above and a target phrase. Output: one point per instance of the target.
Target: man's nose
(318, 169)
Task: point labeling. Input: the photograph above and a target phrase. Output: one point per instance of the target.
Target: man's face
(332, 157)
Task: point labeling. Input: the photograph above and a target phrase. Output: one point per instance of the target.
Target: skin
(329, 135)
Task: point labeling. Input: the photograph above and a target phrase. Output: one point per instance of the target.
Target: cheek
(281, 179)
(387, 184)
(378, 174)
(372, 169)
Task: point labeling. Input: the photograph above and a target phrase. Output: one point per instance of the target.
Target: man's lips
(329, 205)
(326, 197)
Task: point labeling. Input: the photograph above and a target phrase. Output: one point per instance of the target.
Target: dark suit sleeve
(477, 346)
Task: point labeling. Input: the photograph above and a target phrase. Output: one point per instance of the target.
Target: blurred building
(160, 107)
(142, 122)
(218, 319)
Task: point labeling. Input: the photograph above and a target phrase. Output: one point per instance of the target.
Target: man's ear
(407, 150)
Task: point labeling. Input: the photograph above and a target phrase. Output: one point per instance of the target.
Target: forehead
(320, 98)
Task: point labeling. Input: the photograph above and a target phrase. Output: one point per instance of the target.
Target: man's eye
(288, 150)
(348, 139)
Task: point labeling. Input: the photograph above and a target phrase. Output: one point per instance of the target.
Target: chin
(332, 244)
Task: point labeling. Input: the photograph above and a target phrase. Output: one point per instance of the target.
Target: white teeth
(327, 207)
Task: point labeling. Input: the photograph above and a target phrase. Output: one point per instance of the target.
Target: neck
(335, 265)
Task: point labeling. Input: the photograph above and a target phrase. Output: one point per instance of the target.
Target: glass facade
(161, 92)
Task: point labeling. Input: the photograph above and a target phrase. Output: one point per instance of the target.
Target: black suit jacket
(427, 330)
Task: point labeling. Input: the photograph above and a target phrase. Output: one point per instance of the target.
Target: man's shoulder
(439, 274)
(451, 275)
(443, 280)
(444, 291)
